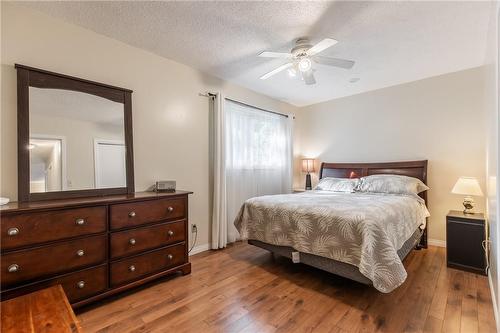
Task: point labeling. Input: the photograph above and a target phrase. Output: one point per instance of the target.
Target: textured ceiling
(392, 42)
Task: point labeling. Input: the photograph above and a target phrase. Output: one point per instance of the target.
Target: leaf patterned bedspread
(361, 229)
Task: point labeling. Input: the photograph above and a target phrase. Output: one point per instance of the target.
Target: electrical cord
(195, 239)
(486, 246)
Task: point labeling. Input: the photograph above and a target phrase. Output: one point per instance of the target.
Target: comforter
(361, 229)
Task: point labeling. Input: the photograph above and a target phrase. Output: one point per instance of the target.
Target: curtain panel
(252, 157)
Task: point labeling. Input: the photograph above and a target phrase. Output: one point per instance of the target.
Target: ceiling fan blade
(308, 77)
(267, 54)
(276, 71)
(342, 63)
(321, 46)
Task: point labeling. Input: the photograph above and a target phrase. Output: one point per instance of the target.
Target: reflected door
(109, 164)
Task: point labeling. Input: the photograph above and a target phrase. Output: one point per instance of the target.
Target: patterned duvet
(361, 229)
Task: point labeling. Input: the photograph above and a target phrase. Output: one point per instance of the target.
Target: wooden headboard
(417, 169)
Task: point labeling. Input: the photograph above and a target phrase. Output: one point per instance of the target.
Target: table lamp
(308, 167)
(468, 186)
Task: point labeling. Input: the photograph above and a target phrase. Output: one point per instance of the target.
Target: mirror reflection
(77, 141)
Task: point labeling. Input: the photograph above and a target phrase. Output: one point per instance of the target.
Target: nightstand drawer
(464, 243)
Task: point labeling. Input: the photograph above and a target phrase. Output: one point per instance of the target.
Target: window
(258, 156)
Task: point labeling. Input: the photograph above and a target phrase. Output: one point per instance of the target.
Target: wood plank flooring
(243, 289)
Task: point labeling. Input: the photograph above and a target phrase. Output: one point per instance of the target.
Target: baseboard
(494, 301)
(436, 242)
(199, 249)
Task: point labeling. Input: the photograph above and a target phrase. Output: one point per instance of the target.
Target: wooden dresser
(94, 247)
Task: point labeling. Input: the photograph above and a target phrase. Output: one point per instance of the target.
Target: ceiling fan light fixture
(305, 64)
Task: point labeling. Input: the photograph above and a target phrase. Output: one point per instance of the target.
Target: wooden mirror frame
(34, 77)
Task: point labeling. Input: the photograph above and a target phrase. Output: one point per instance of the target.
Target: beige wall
(170, 119)
(440, 119)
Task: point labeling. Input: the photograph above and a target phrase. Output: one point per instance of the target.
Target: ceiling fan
(301, 58)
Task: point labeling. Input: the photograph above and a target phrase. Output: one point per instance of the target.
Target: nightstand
(465, 234)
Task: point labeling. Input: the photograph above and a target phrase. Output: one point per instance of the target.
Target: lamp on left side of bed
(308, 167)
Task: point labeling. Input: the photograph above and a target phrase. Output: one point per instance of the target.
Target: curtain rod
(255, 107)
(212, 95)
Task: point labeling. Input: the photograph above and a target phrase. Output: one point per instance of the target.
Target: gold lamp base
(468, 205)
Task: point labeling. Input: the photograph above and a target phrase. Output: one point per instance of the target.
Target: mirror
(75, 137)
(77, 141)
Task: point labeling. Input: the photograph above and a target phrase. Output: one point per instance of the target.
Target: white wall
(440, 119)
(170, 120)
(491, 91)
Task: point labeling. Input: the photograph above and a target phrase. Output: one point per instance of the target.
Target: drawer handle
(170, 209)
(13, 268)
(131, 268)
(131, 214)
(80, 253)
(80, 221)
(13, 232)
(170, 233)
(132, 241)
(170, 257)
(80, 284)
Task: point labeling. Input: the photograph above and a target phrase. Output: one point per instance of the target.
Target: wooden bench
(46, 310)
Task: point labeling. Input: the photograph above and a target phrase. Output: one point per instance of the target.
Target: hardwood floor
(243, 289)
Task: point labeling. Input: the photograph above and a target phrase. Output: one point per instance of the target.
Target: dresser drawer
(137, 213)
(77, 286)
(44, 261)
(131, 269)
(129, 242)
(33, 228)
(84, 283)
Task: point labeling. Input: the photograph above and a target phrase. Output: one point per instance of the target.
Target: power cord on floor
(486, 247)
(195, 229)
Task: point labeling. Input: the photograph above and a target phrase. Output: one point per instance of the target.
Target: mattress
(364, 230)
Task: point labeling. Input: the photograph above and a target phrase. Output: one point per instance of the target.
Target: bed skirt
(333, 266)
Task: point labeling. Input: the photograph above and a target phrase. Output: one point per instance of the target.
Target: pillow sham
(391, 184)
(337, 184)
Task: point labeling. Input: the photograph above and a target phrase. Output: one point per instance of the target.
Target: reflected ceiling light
(305, 64)
(31, 146)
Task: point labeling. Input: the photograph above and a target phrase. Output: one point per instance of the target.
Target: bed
(360, 236)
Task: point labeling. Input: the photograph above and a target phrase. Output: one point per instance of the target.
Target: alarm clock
(165, 186)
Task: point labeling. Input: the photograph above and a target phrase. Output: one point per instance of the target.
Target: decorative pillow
(391, 184)
(337, 184)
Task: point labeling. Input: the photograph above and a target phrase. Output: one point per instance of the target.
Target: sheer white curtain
(252, 156)
(258, 157)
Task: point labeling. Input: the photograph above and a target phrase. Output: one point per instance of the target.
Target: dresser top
(108, 199)
(462, 215)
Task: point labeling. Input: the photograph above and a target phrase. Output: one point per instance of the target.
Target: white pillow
(391, 184)
(337, 184)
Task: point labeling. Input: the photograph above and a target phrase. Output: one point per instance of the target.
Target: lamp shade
(308, 165)
(467, 186)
